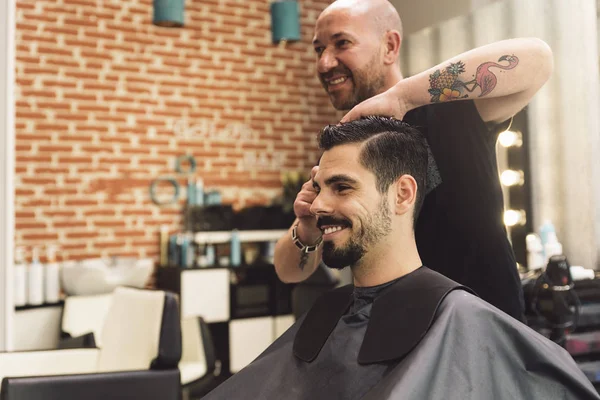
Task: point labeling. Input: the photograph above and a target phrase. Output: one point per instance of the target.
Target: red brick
(52, 83)
(90, 44)
(129, 234)
(80, 234)
(40, 237)
(69, 224)
(61, 30)
(59, 213)
(73, 246)
(107, 245)
(60, 191)
(115, 223)
(80, 202)
(54, 105)
(100, 213)
(24, 192)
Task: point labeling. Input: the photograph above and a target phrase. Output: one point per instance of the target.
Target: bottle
(35, 280)
(184, 246)
(51, 277)
(552, 247)
(535, 252)
(20, 270)
(546, 228)
(235, 249)
(164, 245)
(210, 255)
(199, 192)
(191, 192)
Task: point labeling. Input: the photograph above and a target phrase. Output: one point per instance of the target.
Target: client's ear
(406, 194)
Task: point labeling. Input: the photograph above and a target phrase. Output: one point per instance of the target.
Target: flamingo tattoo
(486, 79)
(446, 85)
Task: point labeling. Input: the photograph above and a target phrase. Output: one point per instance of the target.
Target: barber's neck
(386, 262)
(392, 78)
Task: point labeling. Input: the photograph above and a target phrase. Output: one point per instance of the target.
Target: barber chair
(199, 368)
(82, 320)
(138, 357)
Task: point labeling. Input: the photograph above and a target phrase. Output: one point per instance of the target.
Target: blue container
(285, 21)
(235, 254)
(168, 13)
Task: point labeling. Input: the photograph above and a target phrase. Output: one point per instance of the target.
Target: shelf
(44, 305)
(245, 236)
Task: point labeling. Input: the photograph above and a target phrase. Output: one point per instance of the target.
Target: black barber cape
(421, 337)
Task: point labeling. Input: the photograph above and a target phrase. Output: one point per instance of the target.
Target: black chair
(138, 358)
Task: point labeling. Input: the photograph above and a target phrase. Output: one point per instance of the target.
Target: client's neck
(386, 262)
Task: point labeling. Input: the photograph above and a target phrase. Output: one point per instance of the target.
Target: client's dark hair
(391, 148)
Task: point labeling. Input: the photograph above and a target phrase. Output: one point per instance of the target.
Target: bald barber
(460, 106)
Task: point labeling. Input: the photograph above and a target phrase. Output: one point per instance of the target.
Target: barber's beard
(367, 82)
(374, 228)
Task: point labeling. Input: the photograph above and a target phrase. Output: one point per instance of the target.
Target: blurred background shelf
(244, 236)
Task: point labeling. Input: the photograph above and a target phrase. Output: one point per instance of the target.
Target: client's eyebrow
(340, 178)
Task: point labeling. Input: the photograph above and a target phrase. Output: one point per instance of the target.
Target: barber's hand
(307, 221)
(386, 104)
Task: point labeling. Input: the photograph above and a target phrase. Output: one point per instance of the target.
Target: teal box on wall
(168, 13)
(285, 21)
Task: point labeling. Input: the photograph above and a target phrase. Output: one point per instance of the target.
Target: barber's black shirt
(460, 231)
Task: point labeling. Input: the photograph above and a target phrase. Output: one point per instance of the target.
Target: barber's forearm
(499, 69)
(291, 264)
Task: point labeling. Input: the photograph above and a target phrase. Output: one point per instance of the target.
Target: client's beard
(342, 257)
(348, 255)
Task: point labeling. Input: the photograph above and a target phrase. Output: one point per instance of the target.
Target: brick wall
(106, 101)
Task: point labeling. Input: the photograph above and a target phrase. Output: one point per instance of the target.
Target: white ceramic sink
(99, 276)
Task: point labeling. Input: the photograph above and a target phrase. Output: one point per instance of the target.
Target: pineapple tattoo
(447, 85)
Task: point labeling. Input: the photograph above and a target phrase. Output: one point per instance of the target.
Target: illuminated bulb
(510, 139)
(514, 217)
(511, 177)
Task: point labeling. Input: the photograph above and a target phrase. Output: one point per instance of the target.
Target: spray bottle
(20, 271)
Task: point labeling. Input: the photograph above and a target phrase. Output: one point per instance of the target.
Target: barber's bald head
(357, 44)
(381, 14)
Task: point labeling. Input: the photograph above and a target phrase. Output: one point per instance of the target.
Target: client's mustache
(326, 220)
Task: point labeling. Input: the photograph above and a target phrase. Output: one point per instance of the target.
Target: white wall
(7, 146)
(419, 14)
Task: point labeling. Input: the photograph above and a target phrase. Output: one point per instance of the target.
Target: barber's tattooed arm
(500, 78)
(451, 84)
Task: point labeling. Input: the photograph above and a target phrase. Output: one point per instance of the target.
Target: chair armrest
(86, 341)
(128, 385)
(51, 362)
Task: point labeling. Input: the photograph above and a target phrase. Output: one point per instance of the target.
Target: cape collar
(400, 317)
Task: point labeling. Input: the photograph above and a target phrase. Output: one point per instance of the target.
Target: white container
(535, 252)
(20, 278)
(552, 247)
(51, 277)
(35, 281)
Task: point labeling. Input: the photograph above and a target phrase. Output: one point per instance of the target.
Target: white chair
(83, 317)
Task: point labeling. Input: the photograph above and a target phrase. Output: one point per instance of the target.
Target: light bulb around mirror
(514, 217)
(510, 177)
(510, 139)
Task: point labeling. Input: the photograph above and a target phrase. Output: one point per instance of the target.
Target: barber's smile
(336, 82)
